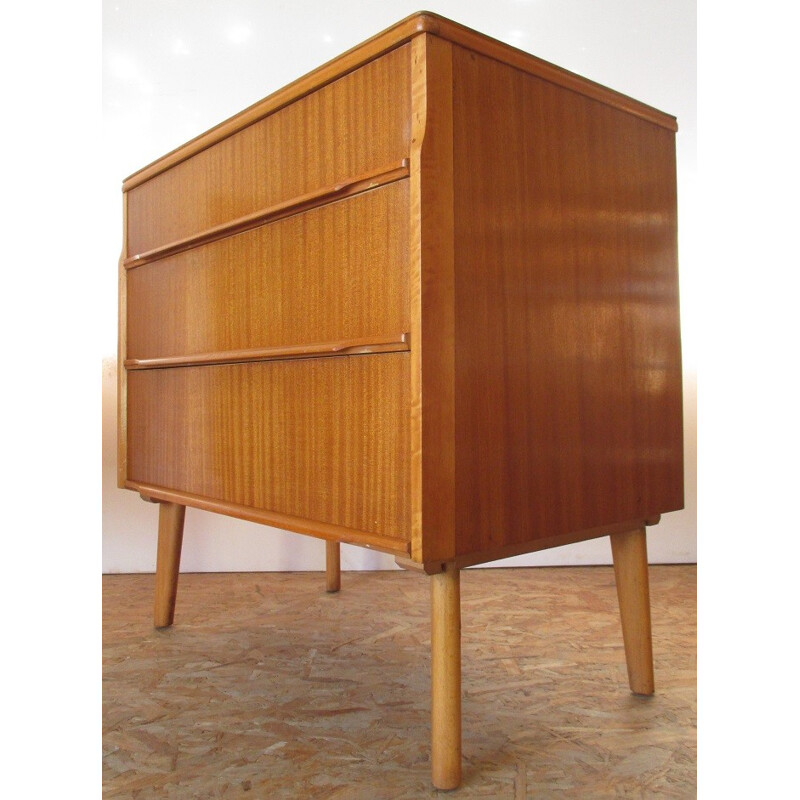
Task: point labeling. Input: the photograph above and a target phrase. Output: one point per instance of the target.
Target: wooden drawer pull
(343, 347)
(296, 205)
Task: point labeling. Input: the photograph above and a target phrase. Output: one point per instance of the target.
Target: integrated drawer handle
(343, 347)
(288, 208)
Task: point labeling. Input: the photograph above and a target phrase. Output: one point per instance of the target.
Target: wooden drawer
(286, 283)
(321, 439)
(358, 124)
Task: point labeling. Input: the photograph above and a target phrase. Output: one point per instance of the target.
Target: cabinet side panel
(322, 439)
(568, 371)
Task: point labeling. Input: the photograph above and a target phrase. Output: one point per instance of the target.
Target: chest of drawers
(424, 299)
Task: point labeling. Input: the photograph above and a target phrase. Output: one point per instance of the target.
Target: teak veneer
(423, 299)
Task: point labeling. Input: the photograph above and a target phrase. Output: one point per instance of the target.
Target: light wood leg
(446, 678)
(333, 569)
(168, 561)
(633, 589)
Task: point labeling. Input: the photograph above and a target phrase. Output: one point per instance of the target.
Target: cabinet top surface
(421, 22)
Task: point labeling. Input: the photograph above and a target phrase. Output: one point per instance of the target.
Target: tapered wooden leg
(333, 569)
(633, 589)
(446, 678)
(168, 561)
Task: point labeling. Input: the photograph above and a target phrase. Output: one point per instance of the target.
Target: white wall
(172, 70)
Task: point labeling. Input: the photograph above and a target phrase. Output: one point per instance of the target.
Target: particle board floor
(267, 687)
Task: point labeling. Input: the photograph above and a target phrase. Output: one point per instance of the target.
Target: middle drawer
(334, 273)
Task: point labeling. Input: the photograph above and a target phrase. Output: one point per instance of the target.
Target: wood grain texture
(333, 567)
(324, 439)
(446, 678)
(432, 323)
(348, 347)
(503, 53)
(531, 256)
(171, 517)
(336, 272)
(629, 550)
(376, 46)
(288, 208)
(568, 373)
(358, 123)
(275, 519)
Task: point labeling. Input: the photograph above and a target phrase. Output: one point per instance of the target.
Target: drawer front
(335, 273)
(356, 125)
(322, 439)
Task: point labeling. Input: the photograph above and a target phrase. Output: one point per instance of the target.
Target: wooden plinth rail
(344, 347)
(288, 208)
(322, 530)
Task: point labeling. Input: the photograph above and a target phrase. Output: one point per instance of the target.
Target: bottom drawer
(323, 439)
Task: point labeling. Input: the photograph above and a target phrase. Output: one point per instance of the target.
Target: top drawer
(357, 124)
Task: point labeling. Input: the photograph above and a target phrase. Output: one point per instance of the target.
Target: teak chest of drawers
(424, 299)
